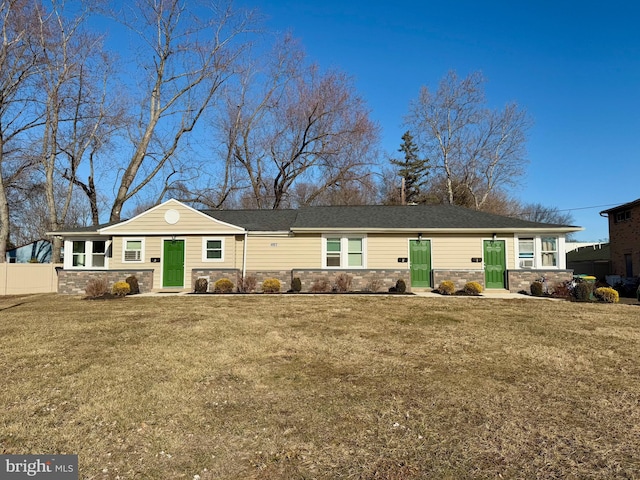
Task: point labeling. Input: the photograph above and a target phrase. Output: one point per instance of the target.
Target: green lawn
(306, 387)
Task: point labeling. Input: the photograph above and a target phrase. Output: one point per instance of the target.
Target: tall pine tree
(412, 169)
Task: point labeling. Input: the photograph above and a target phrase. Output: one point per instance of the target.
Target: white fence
(22, 278)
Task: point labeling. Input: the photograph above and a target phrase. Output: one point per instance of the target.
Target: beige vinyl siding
(272, 252)
(456, 251)
(153, 221)
(383, 250)
(153, 247)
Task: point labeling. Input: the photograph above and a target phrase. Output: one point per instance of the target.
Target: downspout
(244, 256)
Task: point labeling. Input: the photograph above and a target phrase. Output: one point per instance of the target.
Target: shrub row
(98, 287)
(447, 287)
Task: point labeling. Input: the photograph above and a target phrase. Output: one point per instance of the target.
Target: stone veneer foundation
(361, 279)
(517, 280)
(74, 281)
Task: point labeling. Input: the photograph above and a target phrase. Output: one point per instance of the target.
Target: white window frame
(88, 253)
(344, 251)
(537, 252)
(124, 249)
(204, 249)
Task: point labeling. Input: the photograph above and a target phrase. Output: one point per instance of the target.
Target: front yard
(278, 387)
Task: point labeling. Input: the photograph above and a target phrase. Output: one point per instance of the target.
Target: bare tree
(475, 150)
(187, 57)
(18, 110)
(292, 124)
(72, 81)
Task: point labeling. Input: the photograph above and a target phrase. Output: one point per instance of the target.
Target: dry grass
(275, 387)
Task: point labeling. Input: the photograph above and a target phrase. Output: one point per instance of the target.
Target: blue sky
(574, 66)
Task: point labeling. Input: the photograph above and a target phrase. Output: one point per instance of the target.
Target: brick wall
(360, 279)
(74, 281)
(624, 239)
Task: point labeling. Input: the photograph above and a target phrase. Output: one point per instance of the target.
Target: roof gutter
(567, 229)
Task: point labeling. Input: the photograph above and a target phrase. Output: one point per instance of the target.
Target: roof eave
(555, 229)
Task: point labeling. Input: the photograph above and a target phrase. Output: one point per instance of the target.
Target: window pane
(78, 260)
(548, 259)
(78, 247)
(333, 260)
(98, 261)
(355, 245)
(214, 244)
(99, 246)
(333, 244)
(355, 259)
(214, 254)
(134, 245)
(525, 248)
(549, 244)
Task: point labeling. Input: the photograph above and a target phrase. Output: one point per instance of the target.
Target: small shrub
(472, 288)
(296, 285)
(120, 289)
(134, 288)
(321, 285)
(224, 285)
(271, 285)
(96, 287)
(447, 288)
(607, 294)
(201, 285)
(582, 291)
(343, 282)
(401, 286)
(375, 285)
(536, 289)
(247, 284)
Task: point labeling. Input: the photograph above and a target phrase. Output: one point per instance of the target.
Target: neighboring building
(590, 260)
(171, 245)
(624, 238)
(34, 252)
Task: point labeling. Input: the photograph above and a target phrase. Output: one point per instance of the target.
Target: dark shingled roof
(256, 220)
(372, 217)
(410, 216)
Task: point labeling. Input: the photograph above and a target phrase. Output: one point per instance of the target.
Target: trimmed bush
(271, 285)
(96, 287)
(447, 288)
(224, 285)
(343, 282)
(536, 289)
(375, 285)
(582, 291)
(201, 285)
(134, 288)
(296, 285)
(120, 289)
(473, 288)
(401, 286)
(607, 294)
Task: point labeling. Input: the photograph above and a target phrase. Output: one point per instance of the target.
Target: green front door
(494, 264)
(173, 264)
(420, 263)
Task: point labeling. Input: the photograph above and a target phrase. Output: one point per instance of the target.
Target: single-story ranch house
(171, 245)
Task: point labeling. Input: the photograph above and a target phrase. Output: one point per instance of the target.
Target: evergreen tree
(412, 169)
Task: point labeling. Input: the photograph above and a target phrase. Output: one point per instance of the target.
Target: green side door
(420, 262)
(495, 264)
(173, 263)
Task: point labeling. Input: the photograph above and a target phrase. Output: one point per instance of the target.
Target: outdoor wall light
(419, 237)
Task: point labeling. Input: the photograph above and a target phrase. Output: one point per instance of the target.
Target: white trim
(344, 251)
(204, 249)
(233, 228)
(142, 249)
